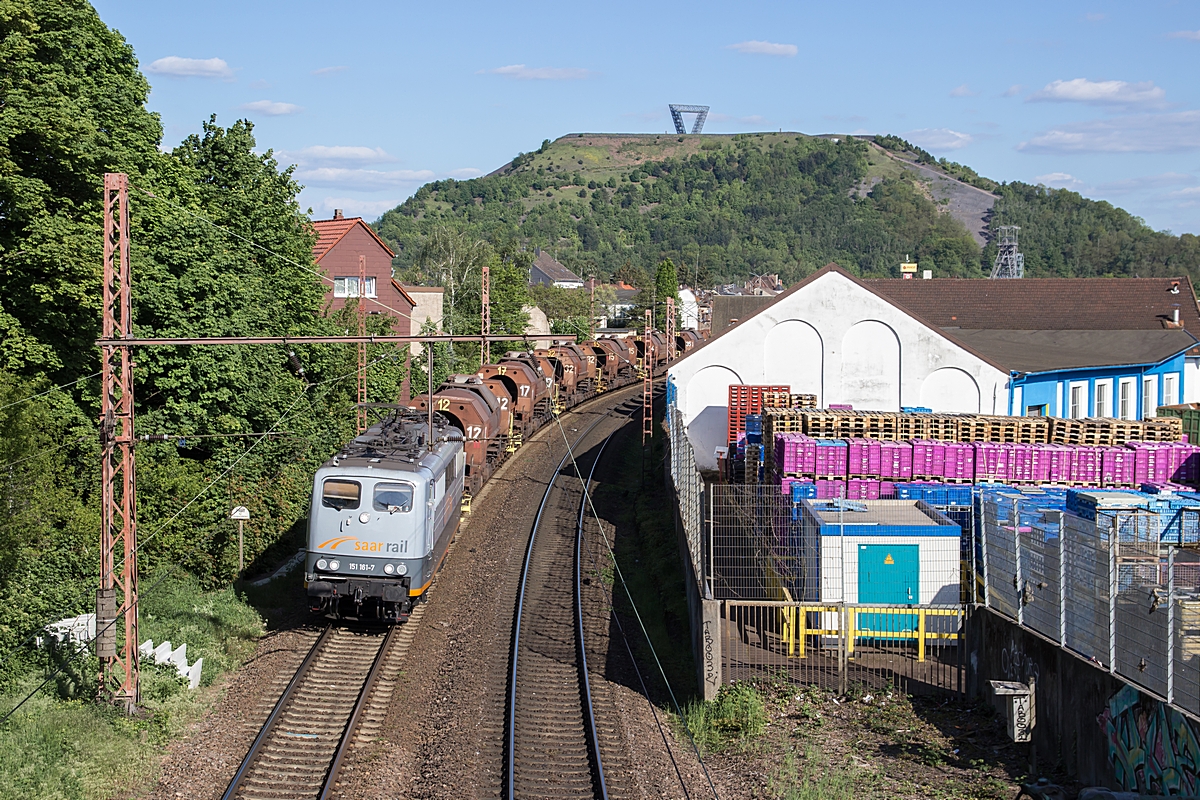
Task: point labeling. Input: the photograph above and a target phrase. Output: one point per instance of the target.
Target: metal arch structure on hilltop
(677, 112)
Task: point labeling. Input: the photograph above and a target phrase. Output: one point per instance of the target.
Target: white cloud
(179, 67)
(939, 138)
(962, 91)
(271, 108)
(329, 70)
(1081, 90)
(1058, 179)
(755, 47)
(1191, 191)
(1137, 133)
(320, 154)
(354, 207)
(1193, 35)
(1013, 90)
(362, 179)
(464, 173)
(521, 72)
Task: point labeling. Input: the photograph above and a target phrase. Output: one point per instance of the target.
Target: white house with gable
(832, 336)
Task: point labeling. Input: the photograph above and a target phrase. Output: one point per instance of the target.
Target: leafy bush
(737, 715)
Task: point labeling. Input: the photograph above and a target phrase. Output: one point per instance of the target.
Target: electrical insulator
(294, 363)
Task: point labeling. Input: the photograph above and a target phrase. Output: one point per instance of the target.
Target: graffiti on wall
(1152, 747)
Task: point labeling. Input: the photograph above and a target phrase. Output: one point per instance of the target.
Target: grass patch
(808, 778)
(63, 744)
(735, 717)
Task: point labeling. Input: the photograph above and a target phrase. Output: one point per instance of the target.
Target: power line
(47, 451)
(587, 496)
(267, 250)
(48, 391)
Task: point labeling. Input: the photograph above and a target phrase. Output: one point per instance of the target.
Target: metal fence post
(983, 546)
(1062, 579)
(1018, 584)
(712, 488)
(1112, 596)
(1171, 617)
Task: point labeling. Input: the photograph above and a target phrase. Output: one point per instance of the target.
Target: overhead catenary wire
(621, 629)
(587, 497)
(48, 391)
(267, 250)
(304, 394)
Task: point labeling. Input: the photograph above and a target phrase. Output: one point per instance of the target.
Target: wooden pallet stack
(1163, 429)
(803, 401)
(776, 421)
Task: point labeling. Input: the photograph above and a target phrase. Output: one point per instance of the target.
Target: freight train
(386, 506)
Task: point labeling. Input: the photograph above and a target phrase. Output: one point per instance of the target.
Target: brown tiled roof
(331, 231)
(553, 270)
(974, 313)
(404, 294)
(1045, 303)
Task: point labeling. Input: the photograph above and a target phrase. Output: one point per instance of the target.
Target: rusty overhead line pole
(485, 311)
(117, 595)
(648, 379)
(119, 666)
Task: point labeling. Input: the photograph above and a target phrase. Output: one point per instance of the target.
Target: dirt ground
(817, 745)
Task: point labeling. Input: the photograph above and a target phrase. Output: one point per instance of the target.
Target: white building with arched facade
(1064, 347)
(832, 336)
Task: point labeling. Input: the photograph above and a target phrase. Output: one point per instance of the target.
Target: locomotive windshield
(393, 497)
(341, 494)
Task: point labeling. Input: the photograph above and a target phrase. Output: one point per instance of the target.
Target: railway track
(552, 744)
(297, 753)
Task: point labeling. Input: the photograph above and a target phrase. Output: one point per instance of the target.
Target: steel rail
(352, 724)
(583, 665)
(512, 679)
(263, 734)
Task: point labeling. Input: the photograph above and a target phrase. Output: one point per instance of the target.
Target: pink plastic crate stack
(795, 454)
(871, 465)
(863, 457)
(896, 460)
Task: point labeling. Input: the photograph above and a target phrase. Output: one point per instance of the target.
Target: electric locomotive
(384, 510)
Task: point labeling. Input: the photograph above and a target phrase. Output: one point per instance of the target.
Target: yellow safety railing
(794, 628)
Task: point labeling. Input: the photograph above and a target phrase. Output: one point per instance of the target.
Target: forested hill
(771, 203)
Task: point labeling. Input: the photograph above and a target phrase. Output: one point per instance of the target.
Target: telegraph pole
(117, 595)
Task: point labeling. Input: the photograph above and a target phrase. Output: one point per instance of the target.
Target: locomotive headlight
(401, 569)
(334, 564)
(364, 518)
(322, 563)
(388, 569)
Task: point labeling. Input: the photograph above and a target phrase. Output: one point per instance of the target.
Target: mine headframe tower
(1010, 263)
(677, 112)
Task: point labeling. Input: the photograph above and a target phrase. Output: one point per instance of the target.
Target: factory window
(1170, 389)
(1036, 411)
(1103, 404)
(341, 494)
(1126, 409)
(1078, 400)
(348, 287)
(1149, 401)
(393, 497)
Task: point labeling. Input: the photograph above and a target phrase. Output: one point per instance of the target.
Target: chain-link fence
(1119, 587)
(689, 490)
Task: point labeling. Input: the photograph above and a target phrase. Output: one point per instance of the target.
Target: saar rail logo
(333, 544)
(363, 547)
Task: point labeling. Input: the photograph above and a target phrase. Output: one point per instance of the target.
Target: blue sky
(373, 99)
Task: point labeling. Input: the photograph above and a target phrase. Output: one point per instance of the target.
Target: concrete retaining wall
(1099, 729)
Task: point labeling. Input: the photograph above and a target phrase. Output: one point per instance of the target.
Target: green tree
(72, 107)
(666, 285)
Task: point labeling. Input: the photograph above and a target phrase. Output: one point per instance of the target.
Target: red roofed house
(336, 252)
